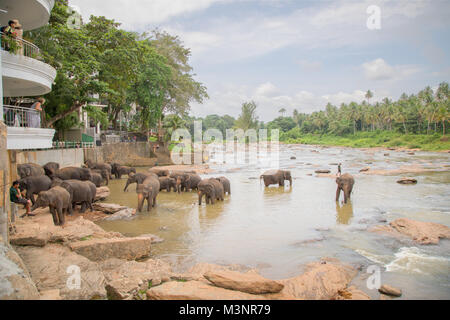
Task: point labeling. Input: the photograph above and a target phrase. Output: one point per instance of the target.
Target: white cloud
(379, 69)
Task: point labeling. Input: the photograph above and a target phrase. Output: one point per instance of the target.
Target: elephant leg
(83, 207)
(200, 196)
(70, 210)
(338, 194)
(62, 219)
(149, 204)
(33, 201)
(54, 215)
(154, 202)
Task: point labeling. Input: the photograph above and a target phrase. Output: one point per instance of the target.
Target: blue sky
(297, 54)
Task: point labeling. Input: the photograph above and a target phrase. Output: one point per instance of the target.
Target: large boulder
(108, 208)
(322, 281)
(196, 290)
(102, 194)
(250, 282)
(49, 267)
(40, 230)
(127, 280)
(15, 280)
(120, 248)
(421, 232)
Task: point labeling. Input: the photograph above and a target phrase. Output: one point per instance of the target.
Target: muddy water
(279, 230)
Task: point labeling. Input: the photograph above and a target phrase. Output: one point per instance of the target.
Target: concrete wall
(65, 157)
(136, 154)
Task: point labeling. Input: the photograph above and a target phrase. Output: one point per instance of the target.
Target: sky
(296, 54)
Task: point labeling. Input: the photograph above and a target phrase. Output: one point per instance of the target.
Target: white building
(23, 75)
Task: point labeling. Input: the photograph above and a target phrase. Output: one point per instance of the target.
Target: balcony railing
(21, 117)
(19, 46)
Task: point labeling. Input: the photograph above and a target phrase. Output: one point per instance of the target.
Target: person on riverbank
(35, 117)
(15, 196)
(339, 173)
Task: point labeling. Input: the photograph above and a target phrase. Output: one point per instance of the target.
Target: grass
(434, 142)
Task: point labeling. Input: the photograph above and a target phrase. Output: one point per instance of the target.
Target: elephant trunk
(140, 202)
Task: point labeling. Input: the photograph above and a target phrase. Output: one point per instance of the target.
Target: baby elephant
(226, 185)
(58, 200)
(168, 184)
(211, 189)
(122, 170)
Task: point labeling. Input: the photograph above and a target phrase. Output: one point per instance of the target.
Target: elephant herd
(62, 189)
(155, 180)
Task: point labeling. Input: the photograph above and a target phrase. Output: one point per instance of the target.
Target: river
(279, 230)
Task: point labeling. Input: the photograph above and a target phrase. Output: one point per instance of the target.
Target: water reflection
(344, 212)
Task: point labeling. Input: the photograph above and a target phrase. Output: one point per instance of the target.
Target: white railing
(73, 145)
(21, 117)
(19, 46)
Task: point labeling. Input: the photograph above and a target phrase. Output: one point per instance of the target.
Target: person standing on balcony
(34, 117)
(19, 36)
(8, 32)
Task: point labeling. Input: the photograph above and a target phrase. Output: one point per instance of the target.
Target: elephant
(96, 179)
(30, 169)
(148, 190)
(121, 170)
(100, 166)
(58, 200)
(138, 178)
(167, 183)
(51, 168)
(211, 189)
(34, 185)
(226, 185)
(73, 173)
(82, 192)
(276, 177)
(103, 173)
(159, 172)
(186, 180)
(345, 183)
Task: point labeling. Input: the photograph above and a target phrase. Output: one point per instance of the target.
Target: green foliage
(248, 119)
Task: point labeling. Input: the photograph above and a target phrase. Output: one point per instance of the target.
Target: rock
(249, 283)
(411, 153)
(196, 290)
(120, 248)
(126, 214)
(386, 154)
(322, 281)
(102, 194)
(352, 293)
(364, 169)
(128, 279)
(50, 295)
(422, 232)
(390, 291)
(154, 238)
(49, 268)
(108, 208)
(40, 230)
(15, 280)
(323, 171)
(407, 181)
(293, 158)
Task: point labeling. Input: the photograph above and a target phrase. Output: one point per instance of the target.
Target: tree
(248, 119)
(369, 95)
(282, 111)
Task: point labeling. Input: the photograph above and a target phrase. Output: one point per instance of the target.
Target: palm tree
(369, 95)
(282, 111)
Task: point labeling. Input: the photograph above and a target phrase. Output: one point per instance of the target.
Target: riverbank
(435, 142)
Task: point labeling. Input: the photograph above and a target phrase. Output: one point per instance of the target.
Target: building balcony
(32, 14)
(24, 131)
(23, 74)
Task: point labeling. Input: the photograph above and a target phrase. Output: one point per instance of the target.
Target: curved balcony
(24, 132)
(32, 14)
(23, 74)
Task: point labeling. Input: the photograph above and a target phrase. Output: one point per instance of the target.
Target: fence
(21, 117)
(19, 46)
(73, 145)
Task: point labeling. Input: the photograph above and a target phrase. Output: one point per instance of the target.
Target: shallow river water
(279, 230)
